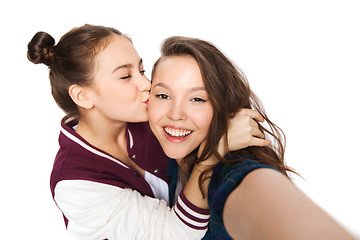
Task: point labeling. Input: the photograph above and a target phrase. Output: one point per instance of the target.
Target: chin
(175, 153)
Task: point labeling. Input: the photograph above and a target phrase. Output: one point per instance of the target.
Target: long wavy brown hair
(229, 92)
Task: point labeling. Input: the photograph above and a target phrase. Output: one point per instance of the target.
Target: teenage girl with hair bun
(109, 176)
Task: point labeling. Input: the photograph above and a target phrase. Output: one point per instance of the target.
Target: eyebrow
(163, 85)
(129, 65)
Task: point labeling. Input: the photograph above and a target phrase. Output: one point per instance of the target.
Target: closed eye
(126, 77)
(142, 72)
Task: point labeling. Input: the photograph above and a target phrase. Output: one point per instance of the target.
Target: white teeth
(177, 132)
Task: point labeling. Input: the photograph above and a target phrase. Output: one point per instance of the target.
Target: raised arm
(266, 205)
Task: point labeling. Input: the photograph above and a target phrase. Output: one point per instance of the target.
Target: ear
(80, 95)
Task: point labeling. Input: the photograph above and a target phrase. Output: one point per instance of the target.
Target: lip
(147, 101)
(176, 139)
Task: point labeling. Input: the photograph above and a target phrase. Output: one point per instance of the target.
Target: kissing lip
(147, 101)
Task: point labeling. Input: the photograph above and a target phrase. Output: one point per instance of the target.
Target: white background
(301, 58)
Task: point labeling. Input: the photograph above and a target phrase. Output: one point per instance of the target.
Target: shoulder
(140, 138)
(237, 171)
(226, 177)
(141, 128)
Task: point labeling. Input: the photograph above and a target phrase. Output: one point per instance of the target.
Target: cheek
(203, 119)
(111, 93)
(154, 112)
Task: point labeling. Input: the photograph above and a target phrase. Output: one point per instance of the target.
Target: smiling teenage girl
(195, 92)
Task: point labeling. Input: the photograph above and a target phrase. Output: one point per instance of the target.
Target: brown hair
(71, 61)
(229, 92)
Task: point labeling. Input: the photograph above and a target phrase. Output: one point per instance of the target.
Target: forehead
(119, 50)
(173, 69)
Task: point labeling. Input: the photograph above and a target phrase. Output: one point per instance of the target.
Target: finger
(252, 113)
(260, 142)
(241, 121)
(257, 133)
(253, 123)
(255, 127)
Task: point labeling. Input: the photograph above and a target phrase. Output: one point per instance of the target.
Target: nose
(143, 84)
(176, 110)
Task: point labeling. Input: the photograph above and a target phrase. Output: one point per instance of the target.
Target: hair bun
(41, 48)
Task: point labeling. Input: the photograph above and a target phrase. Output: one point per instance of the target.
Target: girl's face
(120, 89)
(180, 112)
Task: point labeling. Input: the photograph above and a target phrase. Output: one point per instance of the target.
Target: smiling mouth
(176, 132)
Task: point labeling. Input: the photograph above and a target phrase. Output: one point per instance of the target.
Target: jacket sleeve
(101, 211)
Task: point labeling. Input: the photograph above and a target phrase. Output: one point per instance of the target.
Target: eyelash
(164, 96)
(197, 99)
(126, 77)
(142, 72)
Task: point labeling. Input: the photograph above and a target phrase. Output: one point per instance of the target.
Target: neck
(103, 133)
(109, 136)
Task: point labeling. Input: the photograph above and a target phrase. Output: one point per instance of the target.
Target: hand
(244, 132)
